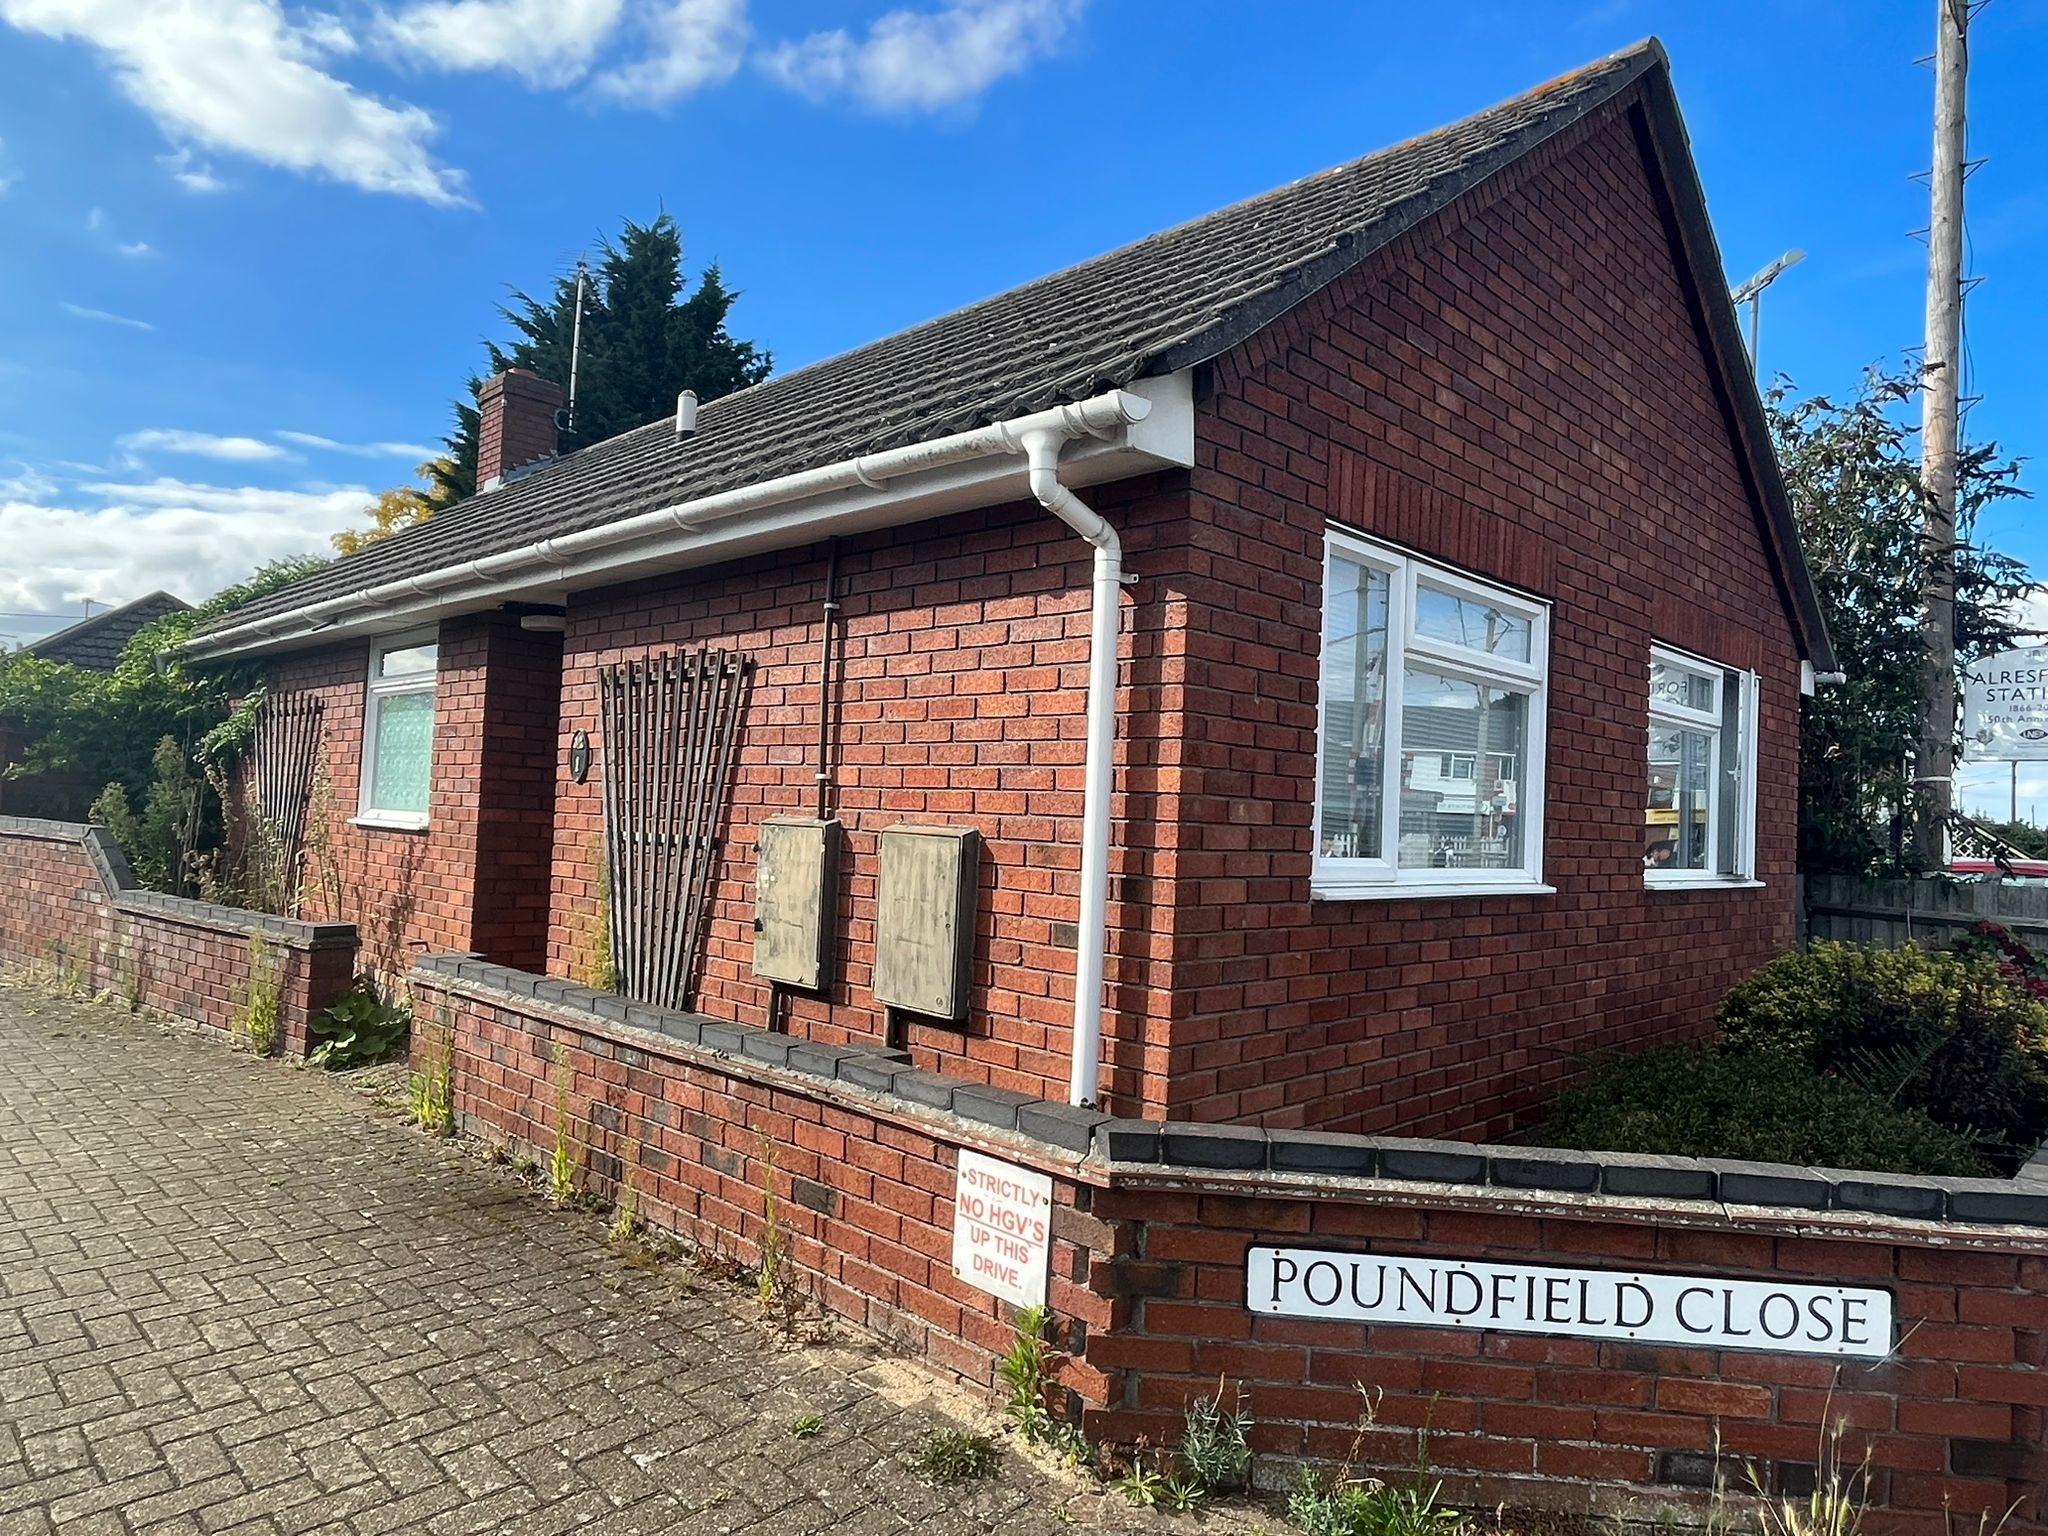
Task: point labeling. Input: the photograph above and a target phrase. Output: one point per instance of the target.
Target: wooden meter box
(796, 866)
(924, 919)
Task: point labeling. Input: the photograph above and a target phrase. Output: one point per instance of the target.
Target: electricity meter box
(796, 868)
(924, 919)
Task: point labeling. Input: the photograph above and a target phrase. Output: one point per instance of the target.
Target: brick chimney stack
(516, 425)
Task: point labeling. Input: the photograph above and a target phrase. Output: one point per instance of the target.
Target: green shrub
(1960, 1036)
(1695, 1103)
(358, 1029)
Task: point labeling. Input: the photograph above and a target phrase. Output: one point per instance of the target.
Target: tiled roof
(1162, 304)
(97, 642)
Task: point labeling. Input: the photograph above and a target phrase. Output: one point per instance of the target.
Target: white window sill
(390, 821)
(1420, 890)
(1701, 883)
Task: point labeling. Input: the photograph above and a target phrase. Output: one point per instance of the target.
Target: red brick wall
(1148, 1288)
(1954, 1423)
(864, 1197)
(475, 877)
(959, 701)
(185, 958)
(1514, 388)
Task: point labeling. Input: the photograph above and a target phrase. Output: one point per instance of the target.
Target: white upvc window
(1429, 739)
(1700, 818)
(398, 731)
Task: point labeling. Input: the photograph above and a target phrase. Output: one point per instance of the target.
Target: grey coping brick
(819, 1060)
(1212, 1146)
(1545, 1168)
(609, 1005)
(2004, 1201)
(762, 1045)
(927, 1088)
(990, 1106)
(1447, 1162)
(1649, 1175)
(717, 1035)
(1889, 1194)
(1128, 1141)
(1745, 1183)
(1321, 1152)
(1068, 1126)
(871, 1071)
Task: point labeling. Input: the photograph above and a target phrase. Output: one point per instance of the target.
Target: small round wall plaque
(579, 756)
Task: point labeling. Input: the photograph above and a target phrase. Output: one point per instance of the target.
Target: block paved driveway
(233, 1297)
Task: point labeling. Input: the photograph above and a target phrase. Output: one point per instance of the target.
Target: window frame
(1714, 722)
(1352, 878)
(376, 690)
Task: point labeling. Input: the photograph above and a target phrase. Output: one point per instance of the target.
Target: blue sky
(227, 221)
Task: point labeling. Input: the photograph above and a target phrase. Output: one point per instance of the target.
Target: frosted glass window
(403, 753)
(398, 731)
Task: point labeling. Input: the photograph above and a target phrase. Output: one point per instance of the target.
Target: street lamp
(1752, 294)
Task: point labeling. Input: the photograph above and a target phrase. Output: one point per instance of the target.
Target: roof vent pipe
(686, 414)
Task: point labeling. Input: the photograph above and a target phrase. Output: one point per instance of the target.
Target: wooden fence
(1913, 911)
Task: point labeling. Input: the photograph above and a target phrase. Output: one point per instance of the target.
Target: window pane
(1681, 686)
(407, 659)
(1470, 622)
(1681, 784)
(1354, 683)
(403, 752)
(1469, 822)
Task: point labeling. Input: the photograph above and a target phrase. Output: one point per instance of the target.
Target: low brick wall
(1153, 1224)
(73, 908)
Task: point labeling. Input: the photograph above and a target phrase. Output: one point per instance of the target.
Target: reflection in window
(1460, 820)
(1421, 783)
(1698, 820)
(1354, 709)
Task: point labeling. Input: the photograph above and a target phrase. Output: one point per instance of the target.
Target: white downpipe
(1042, 452)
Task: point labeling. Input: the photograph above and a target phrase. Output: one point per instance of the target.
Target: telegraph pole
(1940, 390)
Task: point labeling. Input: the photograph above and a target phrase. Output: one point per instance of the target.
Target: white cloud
(544, 42)
(113, 542)
(135, 248)
(690, 44)
(190, 173)
(205, 445)
(238, 76)
(413, 451)
(103, 316)
(912, 61)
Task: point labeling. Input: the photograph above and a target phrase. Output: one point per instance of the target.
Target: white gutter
(586, 556)
(1042, 452)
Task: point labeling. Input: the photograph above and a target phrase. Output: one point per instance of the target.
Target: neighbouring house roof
(97, 642)
(1166, 303)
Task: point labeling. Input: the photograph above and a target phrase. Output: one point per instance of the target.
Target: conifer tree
(645, 340)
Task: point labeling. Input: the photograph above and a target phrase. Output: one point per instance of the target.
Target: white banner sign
(2005, 707)
(1580, 1303)
(1002, 1228)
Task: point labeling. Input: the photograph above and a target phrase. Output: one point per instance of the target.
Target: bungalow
(1332, 664)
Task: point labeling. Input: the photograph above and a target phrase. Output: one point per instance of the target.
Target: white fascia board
(1165, 439)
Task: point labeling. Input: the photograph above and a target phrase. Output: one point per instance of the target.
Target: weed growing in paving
(1022, 1373)
(774, 1242)
(954, 1456)
(1139, 1484)
(807, 1426)
(562, 1162)
(263, 1004)
(431, 1091)
(1214, 1445)
(626, 1214)
(1368, 1507)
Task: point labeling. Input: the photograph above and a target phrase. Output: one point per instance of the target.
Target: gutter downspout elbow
(1042, 456)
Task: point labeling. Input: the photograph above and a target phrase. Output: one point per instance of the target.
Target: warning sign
(1002, 1228)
